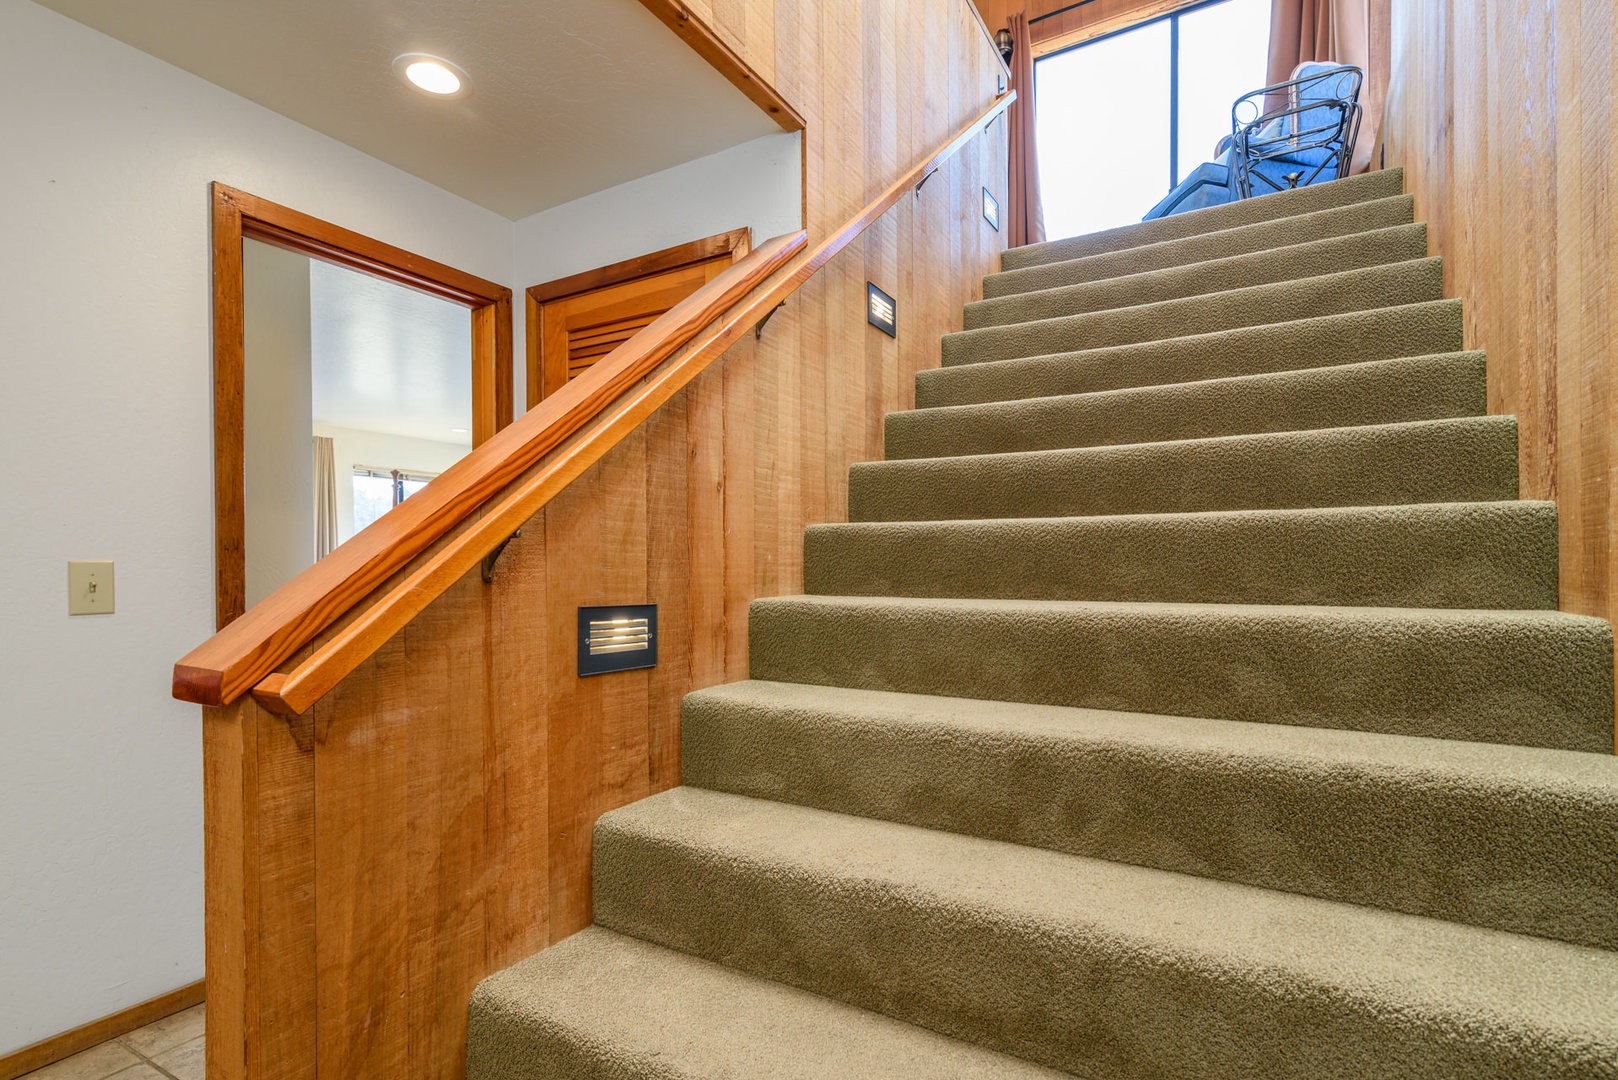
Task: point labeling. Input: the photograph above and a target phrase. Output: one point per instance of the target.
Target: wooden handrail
(294, 692)
(231, 662)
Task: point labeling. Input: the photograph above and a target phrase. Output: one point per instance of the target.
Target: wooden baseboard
(96, 1032)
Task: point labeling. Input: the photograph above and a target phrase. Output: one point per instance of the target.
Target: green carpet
(1185, 696)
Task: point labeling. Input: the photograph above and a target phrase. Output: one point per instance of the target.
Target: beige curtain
(1340, 32)
(1027, 214)
(325, 497)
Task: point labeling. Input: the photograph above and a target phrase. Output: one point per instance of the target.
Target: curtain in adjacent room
(1341, 32)
(1027, 216)
(325, 497)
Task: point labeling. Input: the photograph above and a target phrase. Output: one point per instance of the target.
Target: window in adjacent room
(376, 491)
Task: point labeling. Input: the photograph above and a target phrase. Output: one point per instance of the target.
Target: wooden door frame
(736, 243)
(239, 216)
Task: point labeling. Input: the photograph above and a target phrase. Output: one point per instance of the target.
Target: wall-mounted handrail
(228, 664)
(220, 670)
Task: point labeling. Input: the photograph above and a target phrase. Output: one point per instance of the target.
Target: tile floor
(170, 1049)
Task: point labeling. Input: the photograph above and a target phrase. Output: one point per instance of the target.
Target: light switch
(89, 588)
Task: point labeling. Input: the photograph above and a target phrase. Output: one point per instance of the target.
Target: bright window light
(1113, 134)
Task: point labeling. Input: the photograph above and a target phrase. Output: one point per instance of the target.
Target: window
(1124, 118)
(376, 491)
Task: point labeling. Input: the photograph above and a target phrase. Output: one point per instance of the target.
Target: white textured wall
(278, 396)
(105, 453)
(756, 185)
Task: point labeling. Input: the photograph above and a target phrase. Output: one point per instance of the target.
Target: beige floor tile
(183, 1062)
(139, 1072)
(96, 1063)
(167, 1033)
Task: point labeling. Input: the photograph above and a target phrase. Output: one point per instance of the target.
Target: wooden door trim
(239, 216)
(736, 243)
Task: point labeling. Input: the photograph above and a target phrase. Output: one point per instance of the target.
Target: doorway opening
(333, 351)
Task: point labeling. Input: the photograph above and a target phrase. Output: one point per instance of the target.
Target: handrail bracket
(758, 331)
(493, 556)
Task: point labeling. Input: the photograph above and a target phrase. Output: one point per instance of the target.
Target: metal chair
(1307, 138)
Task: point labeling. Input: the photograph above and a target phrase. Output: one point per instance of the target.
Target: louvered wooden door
(578, 330)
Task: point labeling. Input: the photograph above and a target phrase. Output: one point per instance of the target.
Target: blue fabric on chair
(1316, 134)
(1206, 185)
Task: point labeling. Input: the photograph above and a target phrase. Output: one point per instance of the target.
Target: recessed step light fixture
(432, 74)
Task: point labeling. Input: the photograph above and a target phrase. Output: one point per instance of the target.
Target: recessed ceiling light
(432, 74)
(458, 430)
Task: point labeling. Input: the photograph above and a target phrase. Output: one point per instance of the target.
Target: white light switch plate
(89, 588)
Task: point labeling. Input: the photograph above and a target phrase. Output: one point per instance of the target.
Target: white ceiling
(569, 97)
(388, 358)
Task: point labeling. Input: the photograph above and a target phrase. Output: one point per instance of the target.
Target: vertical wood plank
(595, 541)
(362, 827)
(1501, 115)
(445, 650)
(286, 1008)
(516, 842)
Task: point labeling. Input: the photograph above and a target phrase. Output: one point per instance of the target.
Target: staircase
(1185, 697)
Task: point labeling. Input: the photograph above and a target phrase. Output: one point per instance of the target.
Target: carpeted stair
(1185, 696)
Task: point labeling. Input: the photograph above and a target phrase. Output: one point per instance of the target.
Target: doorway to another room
(348, 374)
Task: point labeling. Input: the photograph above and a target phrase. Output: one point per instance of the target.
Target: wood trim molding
(294, 693)
(231, 662)
(677, 17)
(1146, 12)
(57, 1047)
(736, 243)
(238, 215)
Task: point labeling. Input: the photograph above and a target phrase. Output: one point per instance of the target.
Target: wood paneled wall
(429, 822)
(1502, 114)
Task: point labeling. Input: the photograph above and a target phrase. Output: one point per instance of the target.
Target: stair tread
(1477, 554)
(1282, 612)
(1404, 330)
(1455, 460)
(1525, 677)
(1309, 259)
(1069, 957)
(1337, 221)
(1516, 838)
(1393, 284)
(602, 1004)
(1346, 191)
(1341, 395)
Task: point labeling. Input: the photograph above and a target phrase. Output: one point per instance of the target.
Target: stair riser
(1479, 556)
(1332, 294)
(1362, 217)
(1490, 677)
(1470, 460)
(1463, 844)
(1261, 268)
(602, 1006)
(1345, 192)
(1379, 334)
(1383, 392)
(978, 959)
